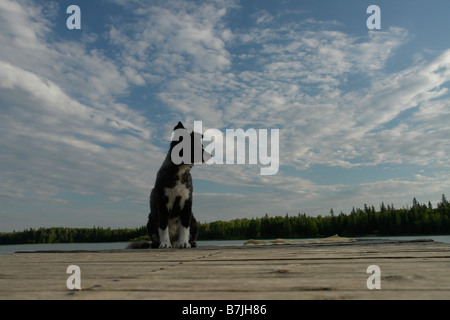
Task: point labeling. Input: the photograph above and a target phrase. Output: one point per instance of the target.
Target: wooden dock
(409, 270)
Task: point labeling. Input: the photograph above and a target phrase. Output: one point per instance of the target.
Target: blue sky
(86, 115)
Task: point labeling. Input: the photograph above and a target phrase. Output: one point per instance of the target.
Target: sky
(86, 115)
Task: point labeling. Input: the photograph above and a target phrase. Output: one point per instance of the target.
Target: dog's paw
(164, 245)
(184, 245)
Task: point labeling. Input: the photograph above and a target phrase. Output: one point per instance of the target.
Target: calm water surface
(6, 249)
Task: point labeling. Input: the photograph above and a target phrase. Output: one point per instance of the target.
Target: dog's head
(187, 147)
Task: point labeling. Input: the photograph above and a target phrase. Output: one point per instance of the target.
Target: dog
(171, 222)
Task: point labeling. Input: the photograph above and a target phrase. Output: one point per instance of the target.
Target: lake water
(7, 249)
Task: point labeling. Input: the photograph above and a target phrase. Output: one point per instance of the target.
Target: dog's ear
(178, 126)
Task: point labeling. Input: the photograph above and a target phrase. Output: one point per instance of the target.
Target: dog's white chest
(179, 190)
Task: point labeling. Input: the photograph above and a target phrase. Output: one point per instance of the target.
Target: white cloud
(297, 77)
(133, 76)
(24, 25)
(63, 144)
(62, 130)
(192, 37)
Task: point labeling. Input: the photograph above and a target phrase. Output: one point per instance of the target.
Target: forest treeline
(415, 220)
(71, 235)
(386, 220)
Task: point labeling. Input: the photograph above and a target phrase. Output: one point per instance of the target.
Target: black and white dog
(171, 222)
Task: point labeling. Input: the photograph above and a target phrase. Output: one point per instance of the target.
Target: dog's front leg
(164, 238)
(184, 237)
(163, 231)
(184, 231)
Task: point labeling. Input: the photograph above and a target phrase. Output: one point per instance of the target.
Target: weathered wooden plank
(409, 270)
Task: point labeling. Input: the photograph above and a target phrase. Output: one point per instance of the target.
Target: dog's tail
(141, 244)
